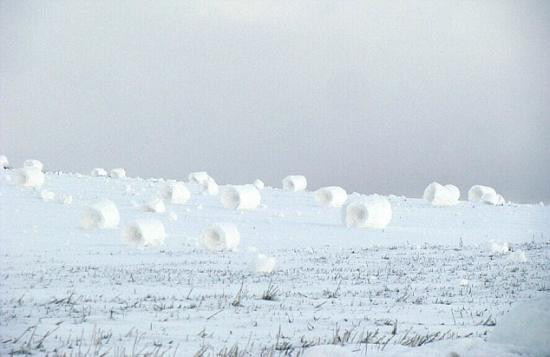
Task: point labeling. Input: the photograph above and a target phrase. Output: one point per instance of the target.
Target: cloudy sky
(375, 96)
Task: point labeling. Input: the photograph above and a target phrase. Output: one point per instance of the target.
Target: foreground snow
(429, 283)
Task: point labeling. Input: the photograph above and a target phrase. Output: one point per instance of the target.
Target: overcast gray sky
(375, 96)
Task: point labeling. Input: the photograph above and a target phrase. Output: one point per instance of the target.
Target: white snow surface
(396, 291)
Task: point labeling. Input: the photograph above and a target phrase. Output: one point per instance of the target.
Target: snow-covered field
(435, 281)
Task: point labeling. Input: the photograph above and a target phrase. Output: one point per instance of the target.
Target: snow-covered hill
(434, 273)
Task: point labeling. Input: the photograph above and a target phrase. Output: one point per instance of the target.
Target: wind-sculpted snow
(431, 281)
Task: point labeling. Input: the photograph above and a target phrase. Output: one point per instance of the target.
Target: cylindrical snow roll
(4, 163)
(332, 196)
(373, 211)
(259, 184)
(30, 177)
(439, 195)
(102, 214)
(98, 171)
(263, 263)
(33, 163)
(475, 193)
(198, 177)
(492, 199)
(155, 205)
(47, 195)
(221, 236)
(455, 192)
(294, 183)
(145, 232)
(209, 186)
(117, 173)
(176, 193)
(244, 197)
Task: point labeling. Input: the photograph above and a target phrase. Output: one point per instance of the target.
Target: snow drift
(527, 325)
(117, 173)
(263, 263)
(145, 233)
(29, 176)
(102, 214)
(243, 197)
(373, 211)
(176, 193)
(221, 236)
(332, 196)
(294, 183)
(98, 171)
(439, 195)
(33, 163)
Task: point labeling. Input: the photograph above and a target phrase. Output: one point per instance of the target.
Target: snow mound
(439, 195)
(33, 163)
(98, 171)
(332, 196)
(221, 236)
(117, 173)
(4, 163)
(373, 211)
(29, 177)
(155, 205)
(263, 263)
(259, 184)
(176, 193)
(294, 183)
(145, 233)
(526, 325)
(102, 214)
(243, 197)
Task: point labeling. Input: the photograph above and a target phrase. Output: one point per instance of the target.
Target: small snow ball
(33, 163)
(373, 211)
(4, 163)
(294, 183)
(29, 176)
(263, 263)
(117, 173)
(219, 237)
(259, 184)
(477, 191)
(243, 197)
(332, 196)
(145, 233)
(176, 193)
(47, 195)
(98, 172)
(102, 214)
(155, 205)
(439, 195)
